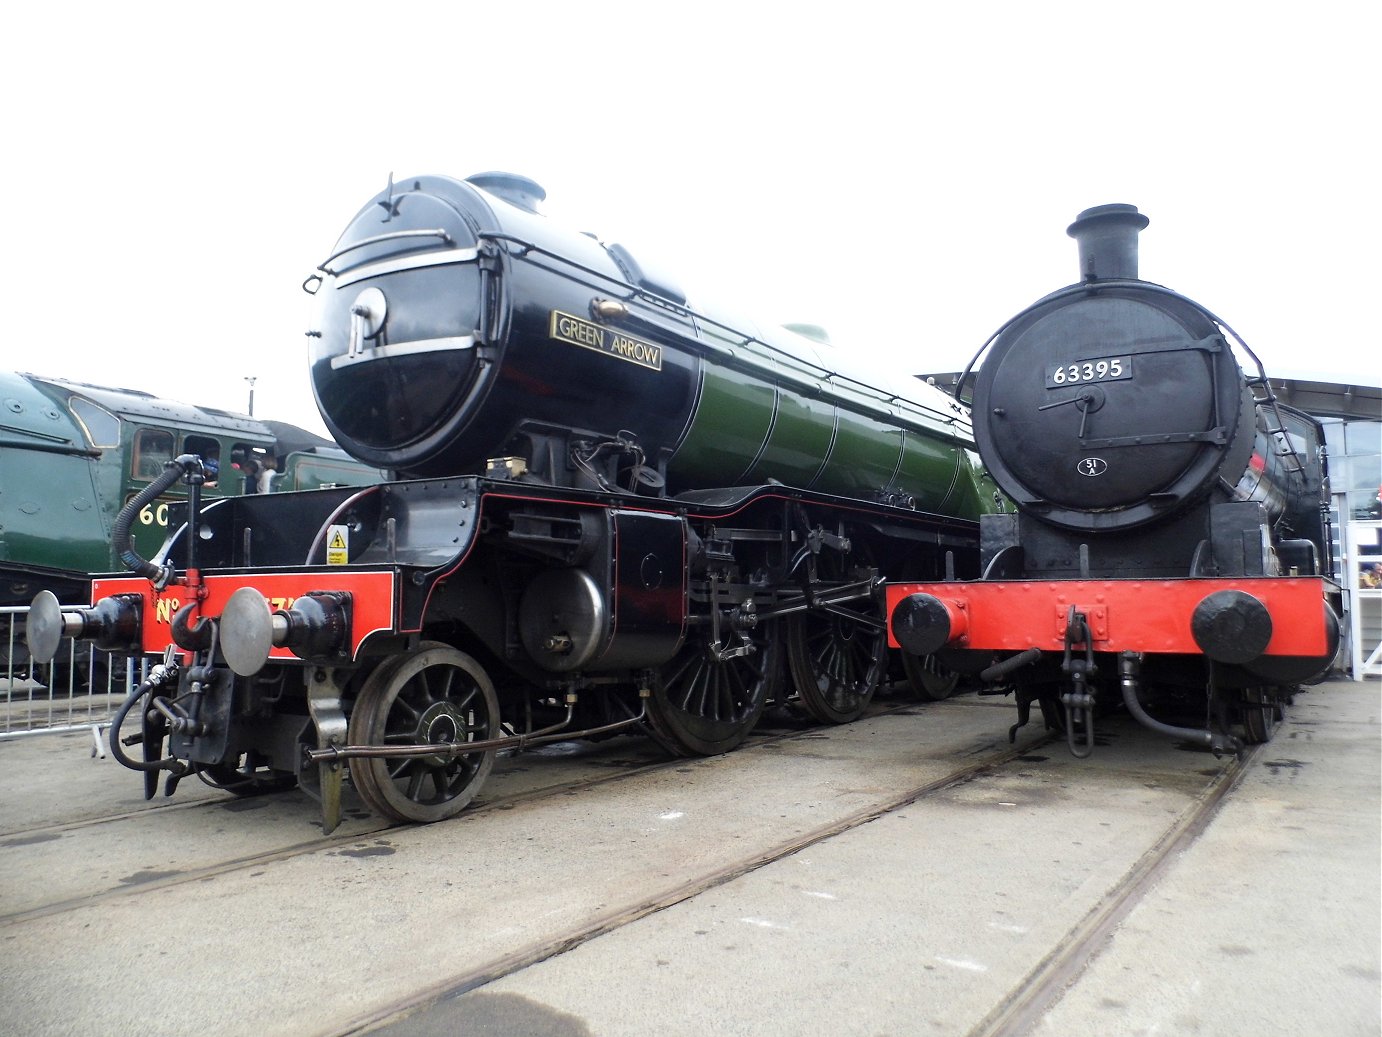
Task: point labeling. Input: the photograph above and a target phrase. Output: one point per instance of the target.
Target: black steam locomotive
(610, 511)
(1171, 545)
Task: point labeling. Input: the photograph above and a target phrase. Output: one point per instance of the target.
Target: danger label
(337, 545)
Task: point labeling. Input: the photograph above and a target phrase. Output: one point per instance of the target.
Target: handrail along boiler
(1171, 543)
(610, 511)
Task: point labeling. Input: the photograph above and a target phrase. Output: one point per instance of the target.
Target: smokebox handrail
(396, 235)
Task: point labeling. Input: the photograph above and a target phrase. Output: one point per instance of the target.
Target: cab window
(102, 427)
(153, 448)
(209, 450)
(246, 461)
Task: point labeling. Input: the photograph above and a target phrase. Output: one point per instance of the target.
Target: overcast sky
(900, 174)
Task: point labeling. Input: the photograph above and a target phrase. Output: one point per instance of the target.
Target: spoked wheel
(702, 706)
(246, 780)
(436, 695)
(928, 679)
(1261, 714)
(838, 658)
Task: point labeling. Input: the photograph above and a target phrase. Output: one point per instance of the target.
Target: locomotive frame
(554, 613)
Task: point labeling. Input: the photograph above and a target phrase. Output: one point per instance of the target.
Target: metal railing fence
(82, 687)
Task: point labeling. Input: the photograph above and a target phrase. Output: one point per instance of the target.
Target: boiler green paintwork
(770, 407)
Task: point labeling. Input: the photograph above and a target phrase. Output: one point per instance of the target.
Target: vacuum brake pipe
(1218, 744)
(120, 537)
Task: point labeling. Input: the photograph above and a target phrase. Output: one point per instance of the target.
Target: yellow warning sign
(337, 545)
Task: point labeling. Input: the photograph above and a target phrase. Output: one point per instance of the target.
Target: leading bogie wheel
(1260, 715)
(434, 695)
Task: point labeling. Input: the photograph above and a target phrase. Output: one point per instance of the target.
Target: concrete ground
(231, 917)
(1270, 923)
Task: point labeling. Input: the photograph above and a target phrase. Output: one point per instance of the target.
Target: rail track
(558, 943)
(630, 759)
(573, 855)
(1015, 1015)
(1024, 1008)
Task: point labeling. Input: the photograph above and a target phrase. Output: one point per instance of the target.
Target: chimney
(1107, 235)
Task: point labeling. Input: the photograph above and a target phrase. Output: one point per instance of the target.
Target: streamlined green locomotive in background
(72, 455)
